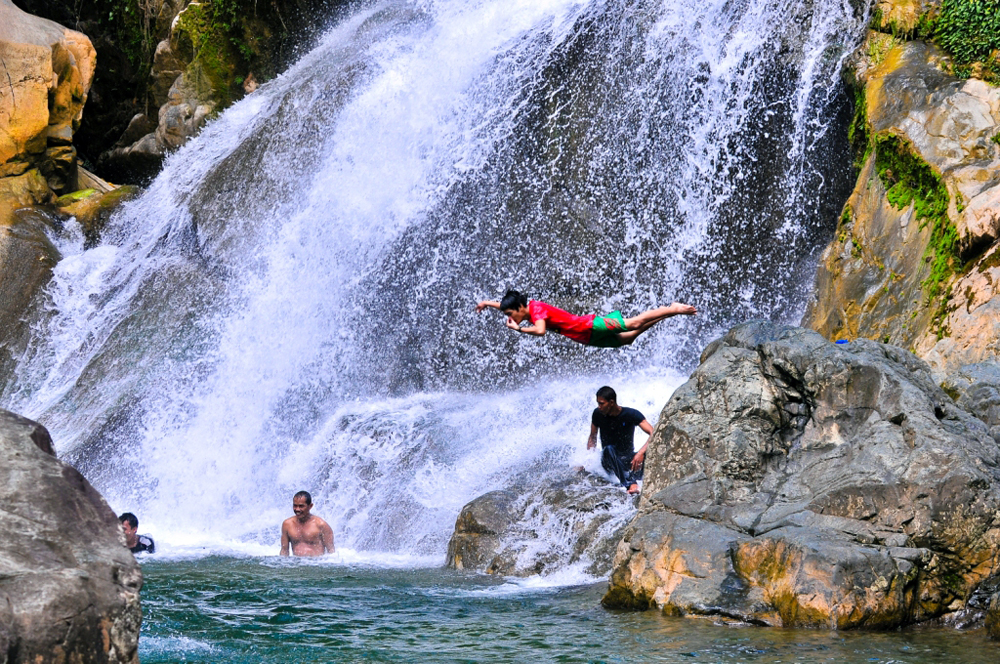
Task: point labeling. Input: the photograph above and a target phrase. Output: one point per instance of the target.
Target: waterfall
(290, 303)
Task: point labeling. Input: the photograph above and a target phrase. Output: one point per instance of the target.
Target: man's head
(515, 305)
(129, 525)
(607, 401)
(302, 502)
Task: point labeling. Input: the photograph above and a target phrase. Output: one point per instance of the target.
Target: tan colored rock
(904, 14)
(49, 70)
(871, 278)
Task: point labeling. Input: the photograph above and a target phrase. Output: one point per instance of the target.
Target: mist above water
(289, 305)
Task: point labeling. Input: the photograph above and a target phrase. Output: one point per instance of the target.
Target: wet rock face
(532, 528)
(993, 617)
(49, 69)
(796, 482)
(888, 274)
(69, 589)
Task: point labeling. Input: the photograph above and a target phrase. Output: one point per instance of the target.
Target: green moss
(996, 138)
(79, 195)
(857, 131)
(214, 59)
(908, 179)
(969, 30)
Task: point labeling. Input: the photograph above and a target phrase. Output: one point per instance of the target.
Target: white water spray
(289, 305)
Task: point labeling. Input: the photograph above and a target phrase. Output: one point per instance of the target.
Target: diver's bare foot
(634, 488)
(681, 309)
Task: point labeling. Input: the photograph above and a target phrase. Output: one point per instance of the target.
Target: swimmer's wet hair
(304, 494)
(132, 521)
(513, 300)
(607, 394)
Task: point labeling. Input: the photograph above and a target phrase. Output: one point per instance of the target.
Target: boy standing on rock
(617, 426)
(608, 331)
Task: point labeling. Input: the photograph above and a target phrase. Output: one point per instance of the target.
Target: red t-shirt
(575, 327)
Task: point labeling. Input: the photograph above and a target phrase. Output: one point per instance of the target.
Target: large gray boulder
(69, 589)
(796, 482)
(535, 527)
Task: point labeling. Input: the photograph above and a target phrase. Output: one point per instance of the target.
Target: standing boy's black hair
(513, 300)
(607, 394)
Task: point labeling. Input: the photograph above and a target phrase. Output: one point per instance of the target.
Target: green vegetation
(879, 46)
(909, 179)
(857, 132)
(970, 31)
(996, 138)
(215, 32)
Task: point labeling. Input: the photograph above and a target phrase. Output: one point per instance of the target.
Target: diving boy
(607, 331)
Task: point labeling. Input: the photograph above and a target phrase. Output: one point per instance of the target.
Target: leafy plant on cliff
(910, 180)
(969, 30)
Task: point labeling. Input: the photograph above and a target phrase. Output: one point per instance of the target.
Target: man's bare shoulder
(320, 522)
(290, 521)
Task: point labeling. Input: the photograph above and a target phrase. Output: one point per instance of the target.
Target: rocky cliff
(914, 260)
(168, 66)
(48, 71)
(69, 589)
(796, 482)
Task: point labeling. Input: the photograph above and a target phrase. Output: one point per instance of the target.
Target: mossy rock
(69, 199)
(94, 211)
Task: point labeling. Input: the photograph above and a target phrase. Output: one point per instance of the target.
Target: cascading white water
(289, 305)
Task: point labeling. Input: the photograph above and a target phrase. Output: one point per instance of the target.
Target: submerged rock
(532, 528)
(796, 482)
(69, 589)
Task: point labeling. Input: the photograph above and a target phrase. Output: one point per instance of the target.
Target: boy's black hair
(607, 394)
(304, 494)
(513, 300)
(132, 521)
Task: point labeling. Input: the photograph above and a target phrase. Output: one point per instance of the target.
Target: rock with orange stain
(796, 482)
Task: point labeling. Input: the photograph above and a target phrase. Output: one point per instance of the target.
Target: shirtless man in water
(308, 535)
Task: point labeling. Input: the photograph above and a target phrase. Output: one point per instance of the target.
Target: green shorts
(605, 331)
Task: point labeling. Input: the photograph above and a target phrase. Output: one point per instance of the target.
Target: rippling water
(268, 609)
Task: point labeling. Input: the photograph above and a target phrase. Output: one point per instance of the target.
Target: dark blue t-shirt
(619, 431)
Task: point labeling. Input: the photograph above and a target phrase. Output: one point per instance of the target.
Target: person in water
(307, 534)
(136, 543)
(617, 426)
(608, 331)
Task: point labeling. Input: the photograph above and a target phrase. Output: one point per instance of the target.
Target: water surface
(224, 610)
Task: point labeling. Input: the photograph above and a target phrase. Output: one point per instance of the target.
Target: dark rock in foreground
(796, 482)
(532, 528)
(69, 589)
